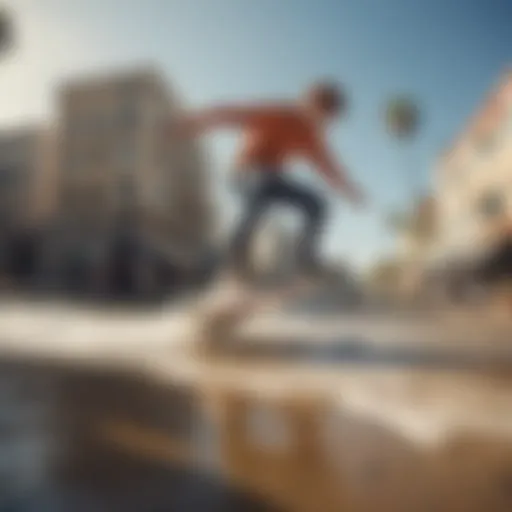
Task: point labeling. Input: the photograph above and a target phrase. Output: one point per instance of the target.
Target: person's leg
(257, 200)
(314, 209)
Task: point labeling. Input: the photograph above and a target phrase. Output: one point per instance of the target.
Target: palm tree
(402, 121)
(420, 221)
(402, 117)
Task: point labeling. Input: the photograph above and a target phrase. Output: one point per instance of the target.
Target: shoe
(313, 272)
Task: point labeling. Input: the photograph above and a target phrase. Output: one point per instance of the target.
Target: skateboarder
(275, 133)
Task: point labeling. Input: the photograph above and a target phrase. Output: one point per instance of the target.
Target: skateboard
(228, 306)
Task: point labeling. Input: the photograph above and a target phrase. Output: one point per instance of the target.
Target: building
(24, 167)
(130, 197)
(473, 187)
(26, 173)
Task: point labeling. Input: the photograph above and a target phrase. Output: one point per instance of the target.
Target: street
(319, 350)
(88, 328)
(392, 387)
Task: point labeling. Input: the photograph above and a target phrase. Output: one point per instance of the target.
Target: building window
(80, 126)
(508, 120)
(98, 154)
(492, 204)
(127, 191)
(128, 116)
(128, 157)
(7, 176)
(73, 163)
(99, 124)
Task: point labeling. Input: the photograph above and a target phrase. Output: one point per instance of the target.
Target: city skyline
(446, 54)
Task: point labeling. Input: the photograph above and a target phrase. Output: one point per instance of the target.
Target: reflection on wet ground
(53, 457)
(91, 440)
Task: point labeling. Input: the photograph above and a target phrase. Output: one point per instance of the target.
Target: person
(274, 134)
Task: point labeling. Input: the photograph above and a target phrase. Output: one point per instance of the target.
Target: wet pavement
(104, 411)
(53, 457)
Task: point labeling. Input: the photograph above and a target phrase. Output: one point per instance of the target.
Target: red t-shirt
(272, 135)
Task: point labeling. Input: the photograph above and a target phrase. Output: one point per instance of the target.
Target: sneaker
(313, 272)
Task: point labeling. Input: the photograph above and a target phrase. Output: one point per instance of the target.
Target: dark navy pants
(265, 189)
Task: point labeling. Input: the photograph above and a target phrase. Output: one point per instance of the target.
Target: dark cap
(328, 96)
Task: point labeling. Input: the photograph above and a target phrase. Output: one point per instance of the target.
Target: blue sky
(447, 53)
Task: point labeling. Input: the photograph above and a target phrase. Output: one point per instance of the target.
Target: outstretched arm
(334, 172)
(223, 117)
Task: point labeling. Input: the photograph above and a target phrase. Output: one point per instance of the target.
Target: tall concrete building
(26, 176)
(25, 168)
(121, 172)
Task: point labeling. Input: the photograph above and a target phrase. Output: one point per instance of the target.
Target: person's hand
(352, 193)
(347, 189)
(356, 197)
